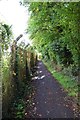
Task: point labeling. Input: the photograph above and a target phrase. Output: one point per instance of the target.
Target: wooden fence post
(0, 82)
(14, 64)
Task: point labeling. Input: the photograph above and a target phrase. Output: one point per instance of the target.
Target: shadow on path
(49, 99)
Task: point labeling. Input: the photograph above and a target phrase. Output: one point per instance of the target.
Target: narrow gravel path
(49, 99)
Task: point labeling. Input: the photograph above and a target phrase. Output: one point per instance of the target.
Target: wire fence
(17, 70)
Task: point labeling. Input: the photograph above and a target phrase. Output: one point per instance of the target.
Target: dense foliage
(16, 69)
(5, 35)
(54, 28)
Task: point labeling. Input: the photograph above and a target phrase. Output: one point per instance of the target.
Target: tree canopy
(54, 29)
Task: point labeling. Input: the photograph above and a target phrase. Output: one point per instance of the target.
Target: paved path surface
(49, 99)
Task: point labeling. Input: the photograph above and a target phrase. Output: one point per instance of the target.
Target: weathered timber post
(32, 62)
(27, 67)
(14, 63)
(0, 82)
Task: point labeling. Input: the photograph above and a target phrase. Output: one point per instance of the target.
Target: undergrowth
(19, 105)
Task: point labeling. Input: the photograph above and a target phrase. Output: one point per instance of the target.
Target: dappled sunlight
(38, 78)
(39, 72)
(42, 77)
(39, 61)
(34, 78)
(38, 67)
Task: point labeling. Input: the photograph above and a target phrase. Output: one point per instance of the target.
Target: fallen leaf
(29, 96)
(26, 113)
(73, 109)
(66, 105)
(32, 93)
(33, 103)
(39, 115)
(27, 100)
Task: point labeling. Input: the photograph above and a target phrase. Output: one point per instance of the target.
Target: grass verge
(68, 83)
